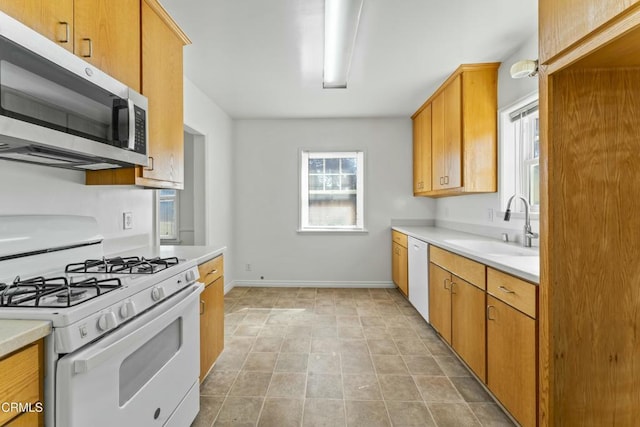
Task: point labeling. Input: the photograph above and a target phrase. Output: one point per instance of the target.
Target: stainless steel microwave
(58, 110)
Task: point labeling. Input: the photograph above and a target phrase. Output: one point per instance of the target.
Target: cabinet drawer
(471, 271)
(513, 291)
(20, 378)
(399, 238)
(211, 270)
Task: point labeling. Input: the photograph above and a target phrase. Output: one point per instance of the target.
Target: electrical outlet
(127, 220)
(490, 215)
(247, 267)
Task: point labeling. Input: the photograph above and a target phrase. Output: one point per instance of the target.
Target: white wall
(186, 197)
(267, 199)
(464, 212)
(203, 116)
(33, 189)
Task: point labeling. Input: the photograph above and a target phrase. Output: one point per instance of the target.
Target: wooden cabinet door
(207, 329)
(438, 148)
(52, 19)
(403, 270)
(563, 23)
(440, 300)
(452, 155)
(218, 318)
(107, 34)
(162, 83)
(468, 324)
(395, 263)
(511, 360)
(422, 151)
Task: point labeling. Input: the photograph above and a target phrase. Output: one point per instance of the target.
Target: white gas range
(125, 330)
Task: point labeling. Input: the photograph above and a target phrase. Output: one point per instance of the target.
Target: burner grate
(54, 292)
(119, 265)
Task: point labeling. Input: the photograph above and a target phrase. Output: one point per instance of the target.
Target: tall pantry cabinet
(589, 275)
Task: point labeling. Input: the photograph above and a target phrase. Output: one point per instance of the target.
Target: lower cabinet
(493, 328)
(468, 324)
(456, 311)
(400, 262)
(22, 381)
(211, 314)
(440, 301)
(511, 344)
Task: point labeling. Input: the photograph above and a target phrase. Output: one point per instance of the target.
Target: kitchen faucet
(528, 234)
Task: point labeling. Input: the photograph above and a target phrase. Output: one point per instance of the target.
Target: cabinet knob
(489, 307)
(445, 284)
(66, 32)
(441, 180)
(90, 45)
(446, 179)
(201, 307)
(152, 164)
(506, 290)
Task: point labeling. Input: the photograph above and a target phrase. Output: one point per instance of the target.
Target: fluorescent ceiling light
(341, 18)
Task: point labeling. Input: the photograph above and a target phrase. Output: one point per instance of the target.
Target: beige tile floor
(337, 357)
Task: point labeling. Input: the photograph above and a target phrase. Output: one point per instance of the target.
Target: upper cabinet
(136, 42)
(162, 84)
(53, 19)
(107, 34)
(462, 135)
(422, 152)
(563, 24)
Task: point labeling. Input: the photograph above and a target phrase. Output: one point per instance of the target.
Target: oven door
(143, 374)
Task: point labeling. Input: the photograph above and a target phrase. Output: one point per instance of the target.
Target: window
(168, 214)
(520, 148)
(331, 191)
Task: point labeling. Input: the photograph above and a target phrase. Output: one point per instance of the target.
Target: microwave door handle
(132, 125)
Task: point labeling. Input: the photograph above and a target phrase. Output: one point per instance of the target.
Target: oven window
(139, 367)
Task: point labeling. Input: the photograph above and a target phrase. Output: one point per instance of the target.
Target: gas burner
(53, 292)
(119, 265)
(70, 294)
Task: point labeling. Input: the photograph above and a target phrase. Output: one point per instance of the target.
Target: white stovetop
(198, 253)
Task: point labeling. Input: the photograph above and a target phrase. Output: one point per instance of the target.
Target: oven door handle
(149, 328)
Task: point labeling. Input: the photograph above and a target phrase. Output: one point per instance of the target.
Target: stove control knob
(190, 276)
(107, 321)
(128, 309)
(157, 293)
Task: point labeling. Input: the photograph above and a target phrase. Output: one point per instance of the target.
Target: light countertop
(15, 334)
(524, 267)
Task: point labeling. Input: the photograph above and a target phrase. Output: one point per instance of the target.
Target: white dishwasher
(419, 276)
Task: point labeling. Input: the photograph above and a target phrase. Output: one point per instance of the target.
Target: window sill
(332, 231)
(170, 242)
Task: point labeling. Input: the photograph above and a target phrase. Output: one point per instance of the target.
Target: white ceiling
(263, 58)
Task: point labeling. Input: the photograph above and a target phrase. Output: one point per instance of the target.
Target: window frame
(303, 211)
(176, 198)
(514, 175)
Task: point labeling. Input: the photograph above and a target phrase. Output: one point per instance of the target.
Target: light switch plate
(127, 220)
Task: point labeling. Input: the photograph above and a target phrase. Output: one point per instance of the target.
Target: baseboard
(305, 284)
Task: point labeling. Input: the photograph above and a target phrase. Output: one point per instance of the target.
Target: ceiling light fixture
(524, 68)
(341, 19)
